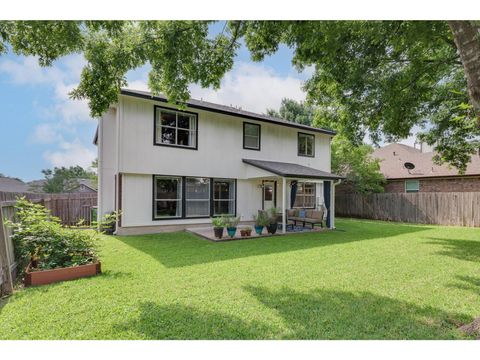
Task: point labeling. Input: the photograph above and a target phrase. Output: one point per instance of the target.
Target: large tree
(375, 77)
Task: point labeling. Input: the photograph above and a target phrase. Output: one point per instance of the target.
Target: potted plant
(218, 225)
(231, 223)
(246, 231)
(261, 220)
(272, 220)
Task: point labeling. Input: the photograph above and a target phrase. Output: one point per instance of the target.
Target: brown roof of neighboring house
(394, 156)
(8, 184)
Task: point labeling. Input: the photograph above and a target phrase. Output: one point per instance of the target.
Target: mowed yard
(368, 280)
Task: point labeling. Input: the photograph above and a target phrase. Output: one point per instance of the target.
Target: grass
(369, 280)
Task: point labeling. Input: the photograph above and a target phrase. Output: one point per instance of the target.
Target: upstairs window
(251, 136)
(306, 144)
(412, 186)
(175, 128)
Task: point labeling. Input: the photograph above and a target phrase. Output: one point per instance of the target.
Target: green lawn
(368, 280)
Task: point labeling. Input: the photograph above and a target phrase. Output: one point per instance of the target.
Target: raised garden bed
(43, 277)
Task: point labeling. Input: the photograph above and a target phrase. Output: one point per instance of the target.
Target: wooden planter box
(44, 277)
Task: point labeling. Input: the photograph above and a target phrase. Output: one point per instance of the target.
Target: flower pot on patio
(43, 277)
(218, 231)
(231, 231)
(259, 229)
(272, 228)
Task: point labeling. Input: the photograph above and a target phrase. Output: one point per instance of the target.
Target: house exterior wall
(126, 147)
(456, 184)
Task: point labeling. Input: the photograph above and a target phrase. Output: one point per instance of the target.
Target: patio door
(269, 194)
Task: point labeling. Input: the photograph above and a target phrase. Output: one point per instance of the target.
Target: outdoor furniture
(306, 216)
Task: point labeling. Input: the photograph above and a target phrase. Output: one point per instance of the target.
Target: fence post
(5, 261)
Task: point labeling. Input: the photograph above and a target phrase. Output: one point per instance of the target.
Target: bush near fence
(441, 208)
(70, 208)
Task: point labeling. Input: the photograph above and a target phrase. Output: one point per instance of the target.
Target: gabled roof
(227, 110)
(291, 170)
(8, 184)
(394, 156)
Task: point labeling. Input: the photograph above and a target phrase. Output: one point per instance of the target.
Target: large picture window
(167, 197)
(251, 136)
(197, 197)
(223, 197)
(305, 195)
(306, 144)
(175, 128)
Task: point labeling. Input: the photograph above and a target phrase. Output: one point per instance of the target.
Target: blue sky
(41, 127)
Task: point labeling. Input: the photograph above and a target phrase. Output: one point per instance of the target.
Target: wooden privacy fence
(69, 207)
(450, 208)
(7, 258)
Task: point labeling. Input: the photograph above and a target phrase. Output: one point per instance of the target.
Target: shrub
(108, 222)
(39, 238)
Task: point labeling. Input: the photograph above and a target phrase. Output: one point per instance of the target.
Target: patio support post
(284, 205)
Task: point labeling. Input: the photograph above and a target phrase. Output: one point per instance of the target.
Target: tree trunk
(466, 35)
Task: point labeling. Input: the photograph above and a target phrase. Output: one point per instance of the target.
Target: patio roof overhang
(290, 170)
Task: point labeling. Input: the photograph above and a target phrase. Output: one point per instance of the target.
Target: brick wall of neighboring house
(456, 184)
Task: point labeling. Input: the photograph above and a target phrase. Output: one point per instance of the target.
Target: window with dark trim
(176, 128)
(306, 194)
(180, 197)
(167, 197)
(306, 144)
(224, 197)
(251, 136)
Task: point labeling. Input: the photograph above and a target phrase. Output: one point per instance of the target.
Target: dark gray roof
(291, 170)
(8, 184)
(227, 110)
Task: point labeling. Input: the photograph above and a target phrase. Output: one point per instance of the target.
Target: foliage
(376, 77)
(261, 219)
(272, 215)
(295, 111)
(108, 222)
(218, 222)
(64, 180)
(40, 238)
(361, 171)
(231, 221)
(372, 280)
(353, 161)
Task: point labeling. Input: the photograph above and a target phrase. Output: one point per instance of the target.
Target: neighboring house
(8, 184)
(167, 168)
(411, 169)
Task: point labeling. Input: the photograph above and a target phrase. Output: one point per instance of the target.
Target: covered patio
(288, 176)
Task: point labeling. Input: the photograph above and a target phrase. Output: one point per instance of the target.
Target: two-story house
(167, 167)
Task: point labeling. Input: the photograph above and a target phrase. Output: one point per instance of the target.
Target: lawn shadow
(319, 314)
(469, 283)
(184, 249)
(174, 322)
(458, 248)
(327, 314)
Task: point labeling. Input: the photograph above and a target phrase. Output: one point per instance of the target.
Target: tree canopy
(361, 171)
(380, 78)
(63, 179)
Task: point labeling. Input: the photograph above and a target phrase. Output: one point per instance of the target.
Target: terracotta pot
(44, 277)
(248, 232)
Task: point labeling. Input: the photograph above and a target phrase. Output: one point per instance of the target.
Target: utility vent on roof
(409, 166)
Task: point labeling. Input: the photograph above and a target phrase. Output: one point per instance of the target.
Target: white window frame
(192, 131)
(312, 147)
(304, 196)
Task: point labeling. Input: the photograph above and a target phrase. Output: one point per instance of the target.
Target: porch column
(327, 198)
(284, 205)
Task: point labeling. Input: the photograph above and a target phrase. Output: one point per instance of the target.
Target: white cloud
(70, 154)
(61, 114)
(253, 87)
